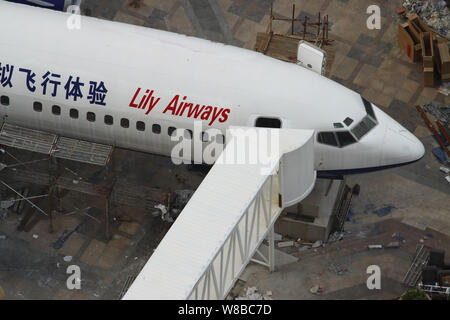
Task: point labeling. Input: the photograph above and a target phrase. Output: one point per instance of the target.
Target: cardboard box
(409, 42)
(417, 23)
(428, 77)
(426, 42)
(443, 60)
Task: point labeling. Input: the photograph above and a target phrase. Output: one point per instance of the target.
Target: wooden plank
(433, 130)
(443, 59)
(442, 130)
(409, 42)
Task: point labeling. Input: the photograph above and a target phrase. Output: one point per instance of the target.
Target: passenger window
(140, 126)
(156, 128)
(109, 120)
(4, 100)
(56, 110)
(205, 137)
(345, 138)
(73, 113)
(327, 138)
(268, 123)
(125, 123)
(37, 106)
(220, 138)
(90, 116)
(171, 130)
(188, 134)
(348, 121)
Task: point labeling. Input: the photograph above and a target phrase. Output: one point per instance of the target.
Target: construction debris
(435, 14)
(286, 47)
(440, 111)
(422, 43)
(3, 214)
(317, 290)
(336, 236)
(285, 244)
(444, 88)
(165, 215)
(317, 244)
(277, 237)
(182, 197)
(444, 169)
(337, 269)
(253, 294)
(394, 244)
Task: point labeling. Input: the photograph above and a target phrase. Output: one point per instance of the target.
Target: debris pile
(440, 111)
(252, 294)
(337, 269)
(441, 134)
(336, 236)
(434, 13)
(3, 214)
(317, 290)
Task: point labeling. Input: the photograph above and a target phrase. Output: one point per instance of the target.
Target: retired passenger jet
(131, 87)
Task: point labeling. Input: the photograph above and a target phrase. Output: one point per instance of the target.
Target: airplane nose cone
(401, 146)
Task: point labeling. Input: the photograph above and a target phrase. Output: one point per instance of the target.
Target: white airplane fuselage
(116, 83)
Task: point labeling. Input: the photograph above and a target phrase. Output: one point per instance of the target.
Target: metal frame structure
(242, 244)
(58, 147)
(233, 210)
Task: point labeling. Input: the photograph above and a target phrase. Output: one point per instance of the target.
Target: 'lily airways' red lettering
(145, 99)
(197, 111)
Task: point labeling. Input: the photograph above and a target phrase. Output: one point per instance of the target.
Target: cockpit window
(363, 127)
(327, 138)
(348, 121)
(369, 108)
(336, 139)
(345, 138)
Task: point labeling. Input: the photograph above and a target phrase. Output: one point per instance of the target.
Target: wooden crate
(428, 77)
(409, 42)
(417, 23)
(443, 60)
(426, 42)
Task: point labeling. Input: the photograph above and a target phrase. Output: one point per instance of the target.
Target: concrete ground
(32, 262)
(411, 201)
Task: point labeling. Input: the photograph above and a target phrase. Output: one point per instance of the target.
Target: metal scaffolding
(56, 147)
